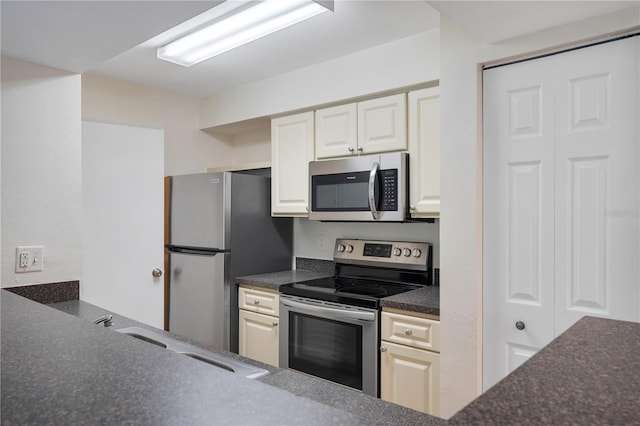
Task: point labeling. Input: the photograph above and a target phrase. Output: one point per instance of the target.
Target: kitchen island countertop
(589, 375)
(59, 369)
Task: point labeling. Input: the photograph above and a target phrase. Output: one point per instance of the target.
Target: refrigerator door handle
(199, 251)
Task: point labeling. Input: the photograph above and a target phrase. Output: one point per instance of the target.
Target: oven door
(331, 341)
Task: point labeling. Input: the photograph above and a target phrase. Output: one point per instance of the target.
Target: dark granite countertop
(426, 300)
(589, 375)
(273, 280)
(57, 369)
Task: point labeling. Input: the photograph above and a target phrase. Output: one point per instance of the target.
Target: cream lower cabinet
(291, 151)
(424, 152)
(410, 361)
(258, 325)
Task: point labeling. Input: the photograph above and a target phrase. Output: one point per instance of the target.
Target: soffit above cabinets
(496, 21)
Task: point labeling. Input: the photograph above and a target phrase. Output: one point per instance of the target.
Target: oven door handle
(373, 174)
(333, 313)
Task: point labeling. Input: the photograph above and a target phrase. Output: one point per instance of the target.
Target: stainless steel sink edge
(218, 360)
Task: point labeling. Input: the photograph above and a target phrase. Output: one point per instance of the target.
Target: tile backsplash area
(316, 240)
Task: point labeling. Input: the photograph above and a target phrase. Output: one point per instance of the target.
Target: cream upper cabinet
(258, 326)
(409, 373)
(336, 131)
(367, 127)
(424, 152)
(382, 124)
(291, 151)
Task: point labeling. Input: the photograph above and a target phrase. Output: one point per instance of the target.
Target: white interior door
(560, 198)
(122, 172)
(518, 255)
(597, 183)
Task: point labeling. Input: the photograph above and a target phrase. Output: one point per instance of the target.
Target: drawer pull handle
(408, 332)
(256, 302)
(274, 324)
(383, 349)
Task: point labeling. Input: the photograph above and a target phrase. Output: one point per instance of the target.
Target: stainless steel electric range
(330, 326)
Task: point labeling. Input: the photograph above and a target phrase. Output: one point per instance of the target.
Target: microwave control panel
(389, 181)
(411, 255)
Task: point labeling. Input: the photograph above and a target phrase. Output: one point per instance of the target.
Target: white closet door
(560, 198)
(597, 183)
(518, 216)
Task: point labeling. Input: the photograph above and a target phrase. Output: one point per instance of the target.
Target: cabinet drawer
(264, 302)
(412, 331)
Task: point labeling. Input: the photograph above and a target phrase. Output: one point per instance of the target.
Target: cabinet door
(291, 151)
(410, 377)
(382, 124)
(424, 152)
(258, 337)
(336, 131)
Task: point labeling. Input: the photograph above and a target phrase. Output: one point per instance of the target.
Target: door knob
(157, 273)
(520, 325)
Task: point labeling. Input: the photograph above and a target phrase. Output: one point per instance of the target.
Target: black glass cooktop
(350, 291)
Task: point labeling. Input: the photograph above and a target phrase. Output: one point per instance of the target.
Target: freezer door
(198, 210)
(197, 299)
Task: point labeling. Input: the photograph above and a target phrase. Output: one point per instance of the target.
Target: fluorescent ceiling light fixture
(262, 18)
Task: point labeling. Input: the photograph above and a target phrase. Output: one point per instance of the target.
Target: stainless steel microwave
(364, 188)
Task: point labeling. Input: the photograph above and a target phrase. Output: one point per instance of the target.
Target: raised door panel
(382, 124)
(336, 131)
(291, 151)
(424, 152)
(518, 222)
(561, 198)
(258, 337)
(410, 377)
(263, 302)
(597, 183)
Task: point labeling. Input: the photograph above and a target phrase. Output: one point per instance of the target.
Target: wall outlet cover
(29, 258)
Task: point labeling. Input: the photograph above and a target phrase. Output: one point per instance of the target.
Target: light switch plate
(29, 258)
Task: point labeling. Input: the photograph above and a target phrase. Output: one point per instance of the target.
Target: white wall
(41, 173)
(405, 62)
(252, 147)
(187, 149)
(309, 233)
(461, 184)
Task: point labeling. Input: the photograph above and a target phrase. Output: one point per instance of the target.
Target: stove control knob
(417, 252)
(349, 248)
(341, 248)
(407, 252)
(397, 251)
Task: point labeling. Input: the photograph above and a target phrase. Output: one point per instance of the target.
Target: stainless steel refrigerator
(221, 228)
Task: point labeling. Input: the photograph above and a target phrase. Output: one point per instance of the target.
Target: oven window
(326, 348)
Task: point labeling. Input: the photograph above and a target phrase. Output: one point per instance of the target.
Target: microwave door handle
(373, 174)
